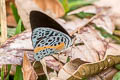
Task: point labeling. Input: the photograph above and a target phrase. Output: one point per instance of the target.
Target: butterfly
(48, 36)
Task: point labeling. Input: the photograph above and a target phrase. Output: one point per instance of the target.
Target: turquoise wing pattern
(48, 37)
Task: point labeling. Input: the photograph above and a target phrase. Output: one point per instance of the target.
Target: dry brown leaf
(12, 51)
(84, 53)
(105, 22)
(93, 41)
(24, 7)
(108, 74)
(88, 9)
(51, 6)
(113, 49)
(114, 4)
(75, 70)
(10, 18)
(28, 70)
(104, 75)
(114, 11)
(55, 78)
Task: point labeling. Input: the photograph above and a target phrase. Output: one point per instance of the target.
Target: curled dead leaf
(74, 70)
(114, 9)
(93, 41)
(12, 51)
(28, 70)
(87, 9)
(51, 7)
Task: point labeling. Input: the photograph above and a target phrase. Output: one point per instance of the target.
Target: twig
(3, 20)
(91, 19)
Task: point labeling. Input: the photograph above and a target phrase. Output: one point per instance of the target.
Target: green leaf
(19, 27)
(74, 4)
(18, 74)
(117, 66)
(68, 59)
(84, 79)
(105, 34)
(70, 5)
(15, 12)
(65, 5)
(84, 15)
(10, 32)
(2, 73)
(116, 76)
(9, 68)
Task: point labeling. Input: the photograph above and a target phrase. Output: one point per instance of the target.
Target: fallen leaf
(55, 78)
(12, 51)
(87, 9)
(93, 41)
(25, 7)
(28, 70)
(51, 6)
(113, 49)
(117, 76)
(75, 70)
(114, 9)
(105, 22)
(10, 18)
(84, 53)
(106, 74)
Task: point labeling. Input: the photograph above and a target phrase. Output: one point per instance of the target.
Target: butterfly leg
(44, 68)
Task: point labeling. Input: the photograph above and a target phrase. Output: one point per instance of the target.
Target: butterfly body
(48, 37)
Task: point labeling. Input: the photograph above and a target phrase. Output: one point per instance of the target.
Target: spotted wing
(42, 37)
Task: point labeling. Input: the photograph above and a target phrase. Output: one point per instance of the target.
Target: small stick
(91, 19)
(44, 68)
(3, 20)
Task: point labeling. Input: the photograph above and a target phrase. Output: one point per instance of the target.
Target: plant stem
(3, 20)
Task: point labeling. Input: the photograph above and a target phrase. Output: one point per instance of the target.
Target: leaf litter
(94, 48)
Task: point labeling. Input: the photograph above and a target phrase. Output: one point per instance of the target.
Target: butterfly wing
(50, 41)
(47, 39)
(40, 19)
